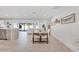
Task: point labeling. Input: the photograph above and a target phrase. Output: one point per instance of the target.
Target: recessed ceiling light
(56, 7)
(45, 15)
(25, 15)
(34, 12)
(6, 15)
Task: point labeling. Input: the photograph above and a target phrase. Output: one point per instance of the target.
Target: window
(25, 26)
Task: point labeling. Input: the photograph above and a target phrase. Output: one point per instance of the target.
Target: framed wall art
(68, 19)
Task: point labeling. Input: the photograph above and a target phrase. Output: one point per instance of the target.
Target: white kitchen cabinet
(9, 33)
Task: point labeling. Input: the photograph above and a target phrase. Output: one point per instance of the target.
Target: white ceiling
(28, 12)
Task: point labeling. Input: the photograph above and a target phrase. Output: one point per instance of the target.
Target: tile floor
(24, 44)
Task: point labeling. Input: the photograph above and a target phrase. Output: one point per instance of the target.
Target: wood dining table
(40, 39)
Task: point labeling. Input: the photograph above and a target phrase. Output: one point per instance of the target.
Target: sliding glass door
(25, 26)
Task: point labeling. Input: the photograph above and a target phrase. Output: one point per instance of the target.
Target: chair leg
(33, 39)
(47, 39)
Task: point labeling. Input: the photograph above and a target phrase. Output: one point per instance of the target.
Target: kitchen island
(9, 33)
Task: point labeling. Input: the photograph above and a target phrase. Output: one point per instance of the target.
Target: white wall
(67, 33)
